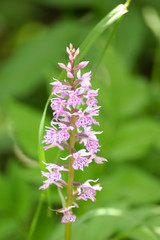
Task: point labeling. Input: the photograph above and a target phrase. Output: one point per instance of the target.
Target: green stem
(70, 177)
(41, 152)
(35, 218)
(156, 71)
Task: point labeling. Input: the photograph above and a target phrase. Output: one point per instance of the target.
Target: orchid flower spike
(75, 109)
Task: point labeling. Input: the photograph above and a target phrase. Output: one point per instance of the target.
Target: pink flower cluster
(73, 97)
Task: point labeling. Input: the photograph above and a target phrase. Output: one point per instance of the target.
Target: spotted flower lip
(59, 86)
(75, 110)
(80, 159)
(74, 99)
(86, 191)
(84, 79)
(53, 166)
(65, 209)
(88, 135)
(51, 139)
(68, 216)
(53, 175)
(97, 159)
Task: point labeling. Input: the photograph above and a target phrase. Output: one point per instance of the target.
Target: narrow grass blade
(108, 20)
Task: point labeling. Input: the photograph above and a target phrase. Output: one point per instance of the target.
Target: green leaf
(122, 95)
(108, 20)
(41, 131)
(67, 4)
(32, 61)
(25, 121)
(133, 139)
(154, 223)
(152, 19)
(104, 223)
(5, 138)
(8, 228)
(143, 232)
(130, 185)
(131, 47)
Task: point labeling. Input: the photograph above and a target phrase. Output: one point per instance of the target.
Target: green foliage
(25, 70)
(115, 223)
(15, 205)
(34, 36)
(25, 121)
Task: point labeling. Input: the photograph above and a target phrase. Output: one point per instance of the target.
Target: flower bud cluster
(73, 98)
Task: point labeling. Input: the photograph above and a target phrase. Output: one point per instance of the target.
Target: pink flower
(67, 68)
(80, 159)
(62, 65)
(80, 65)
(63, 135)
(68, 215)
(82, 119)
(51, 138)
(92, 145)
(60, 87)
(88, 137)
(70, 75)
(74, 99)
(86, 117)
(90, 133)
(69, 52)
(92, 111)
(57, 105)
(86, 191)
(97, 159)
(52, 176)
(84, 79)
(55, 167)
(90, 96)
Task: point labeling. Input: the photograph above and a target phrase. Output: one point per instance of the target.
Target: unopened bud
(68, 51)
(71, 46)
(76, 53)
(62, 65)
(70, 75)
(71, 59)
(83, 64)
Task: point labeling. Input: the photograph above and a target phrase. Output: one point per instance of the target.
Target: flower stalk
(70, 178)
(71, 169)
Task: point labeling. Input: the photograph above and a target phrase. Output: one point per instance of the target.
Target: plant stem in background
(35, 219)
(155, 78)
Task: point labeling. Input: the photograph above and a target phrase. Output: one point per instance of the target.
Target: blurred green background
(33, 37)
